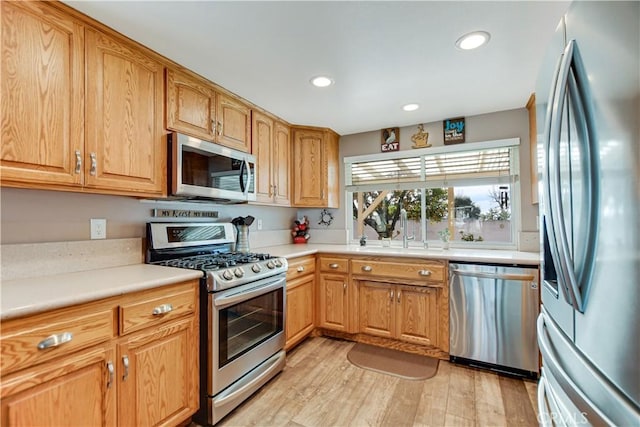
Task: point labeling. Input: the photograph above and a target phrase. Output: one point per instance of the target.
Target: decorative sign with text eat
(390, 140)
(454, 130)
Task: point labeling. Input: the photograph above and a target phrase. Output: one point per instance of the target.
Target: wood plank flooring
(320, 387)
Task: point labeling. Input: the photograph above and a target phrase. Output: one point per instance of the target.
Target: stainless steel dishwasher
(493, 310)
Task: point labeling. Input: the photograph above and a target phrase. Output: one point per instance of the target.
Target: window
(469, 192)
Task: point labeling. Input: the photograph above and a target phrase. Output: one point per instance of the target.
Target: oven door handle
(230, 298)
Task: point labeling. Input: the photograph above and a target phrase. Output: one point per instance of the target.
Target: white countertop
(22, 297)
(469, 255)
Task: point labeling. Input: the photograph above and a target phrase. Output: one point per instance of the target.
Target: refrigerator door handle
(548, 409)
(552, 141)
(589, 158)
(552, 364)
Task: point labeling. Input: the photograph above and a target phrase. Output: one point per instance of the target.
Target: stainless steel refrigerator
(588, 93)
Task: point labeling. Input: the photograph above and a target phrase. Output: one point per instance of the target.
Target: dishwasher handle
(507, 276)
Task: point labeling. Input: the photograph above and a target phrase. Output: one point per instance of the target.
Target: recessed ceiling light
(410, 107)
(321, 81)
(473, 40)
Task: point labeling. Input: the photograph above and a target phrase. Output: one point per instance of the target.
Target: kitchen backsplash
(21, 261)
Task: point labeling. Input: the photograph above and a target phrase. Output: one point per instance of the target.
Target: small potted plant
(444, 236)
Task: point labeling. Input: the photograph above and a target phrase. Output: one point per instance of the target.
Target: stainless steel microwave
(202, 169)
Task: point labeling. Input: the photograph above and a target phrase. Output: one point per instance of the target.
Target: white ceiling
(381, 55)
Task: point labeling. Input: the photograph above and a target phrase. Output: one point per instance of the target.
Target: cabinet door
(262, 144)
(158, 375)
(190, 105)
(234, 123)
(77, 390)
(282, 164)
(300, 312)
(42, 68)
(125, 148)
(417, 315)
(334, 307)
(310, 169)
(377, 309)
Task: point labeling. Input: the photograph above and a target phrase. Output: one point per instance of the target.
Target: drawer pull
(125, 363)
(424, 273)
(111, 374)
(162, 309)
(367, 268)
(55, 340)
(334, 266)
(300, 269)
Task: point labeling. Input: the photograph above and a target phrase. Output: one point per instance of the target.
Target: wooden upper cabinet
(271, 145)
(315, 165)
(233, 123)
(191, 105)
(42, 112)
(262, 143)
(124, 119)
(282, 164)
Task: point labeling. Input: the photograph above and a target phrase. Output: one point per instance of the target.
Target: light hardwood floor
(320, 387)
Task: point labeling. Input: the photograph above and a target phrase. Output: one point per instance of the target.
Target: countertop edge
(122, 280)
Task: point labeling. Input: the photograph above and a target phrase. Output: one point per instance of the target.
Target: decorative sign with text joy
(454, 130)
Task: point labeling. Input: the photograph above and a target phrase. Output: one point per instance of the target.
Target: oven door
(246, 326)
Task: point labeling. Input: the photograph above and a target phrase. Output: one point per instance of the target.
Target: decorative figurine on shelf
(300, 231)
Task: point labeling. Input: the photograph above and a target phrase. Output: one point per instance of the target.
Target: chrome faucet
(404, 222)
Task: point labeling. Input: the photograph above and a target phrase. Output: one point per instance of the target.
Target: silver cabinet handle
(162, 309)
(367, 268)
(399, 292)
(334, 266)
(55, 340)
(391, 296)
(94, 165)
(424, 273)
(213, 125)
(300, 269)
(78, 161)
(111, 372)
(220, 128)
(344, 287)
(125, 363)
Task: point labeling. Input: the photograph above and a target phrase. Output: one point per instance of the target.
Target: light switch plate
(98, 228)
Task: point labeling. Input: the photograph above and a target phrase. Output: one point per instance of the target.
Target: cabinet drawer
(337, 265)
(44, 337)
(432, 272)
(301, 266)
(156, 307)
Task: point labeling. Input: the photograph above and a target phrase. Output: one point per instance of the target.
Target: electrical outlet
(259, 224)
(98, 228)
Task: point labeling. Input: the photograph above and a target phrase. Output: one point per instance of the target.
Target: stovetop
(208, 247)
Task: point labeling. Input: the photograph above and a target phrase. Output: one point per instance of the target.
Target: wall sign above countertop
(179, 213)
(454, 130)
(390, 140)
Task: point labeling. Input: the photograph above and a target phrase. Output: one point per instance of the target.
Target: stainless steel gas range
(242, 301)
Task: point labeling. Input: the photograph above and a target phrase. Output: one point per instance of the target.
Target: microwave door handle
(242, 168)
(551, 141)
(247, 185)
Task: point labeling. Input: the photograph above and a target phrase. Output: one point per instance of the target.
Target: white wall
(484, 127)
(33, 216)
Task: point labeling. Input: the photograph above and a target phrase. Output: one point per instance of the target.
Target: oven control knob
(227, 275)
(277, 262)
(271, 265)
(238, 272)
(256, 268)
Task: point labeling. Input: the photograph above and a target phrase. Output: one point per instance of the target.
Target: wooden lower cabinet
(334, 302)
(96, 373)
(157, 375)
(407, 313)
(300, 312)
(76, 391)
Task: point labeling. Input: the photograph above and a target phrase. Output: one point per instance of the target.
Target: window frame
(512, 178)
